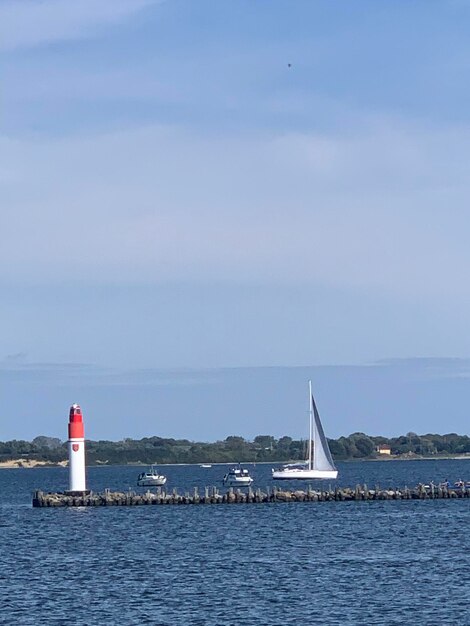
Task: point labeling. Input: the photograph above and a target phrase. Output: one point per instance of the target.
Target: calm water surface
(269, 565)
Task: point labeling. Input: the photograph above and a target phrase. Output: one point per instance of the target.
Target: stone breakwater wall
(212, 495)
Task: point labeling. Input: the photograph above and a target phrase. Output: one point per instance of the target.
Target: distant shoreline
(447, 457)
(51, 451)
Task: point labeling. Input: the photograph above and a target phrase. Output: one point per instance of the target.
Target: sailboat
(319, 463)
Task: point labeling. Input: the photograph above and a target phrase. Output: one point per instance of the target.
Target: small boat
(319, 463)
(237, 477)
(205, 465)
(151, 478)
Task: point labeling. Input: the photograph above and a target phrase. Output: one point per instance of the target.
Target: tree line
(159, 450)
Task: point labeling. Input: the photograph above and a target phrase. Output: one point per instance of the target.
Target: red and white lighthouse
(76, 445)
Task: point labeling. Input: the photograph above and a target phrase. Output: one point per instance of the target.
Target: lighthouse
(76, 445)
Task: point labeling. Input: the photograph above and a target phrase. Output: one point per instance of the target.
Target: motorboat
(151, 478)
(319, 463)
(205, 465)
(237, 477)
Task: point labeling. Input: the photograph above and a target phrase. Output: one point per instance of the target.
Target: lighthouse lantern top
(75, 414)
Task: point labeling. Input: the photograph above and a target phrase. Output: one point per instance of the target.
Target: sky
(234, 196)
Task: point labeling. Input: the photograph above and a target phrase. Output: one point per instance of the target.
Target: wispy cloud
(29, 23)
(161, 203)
(378, 399)
(16, 358)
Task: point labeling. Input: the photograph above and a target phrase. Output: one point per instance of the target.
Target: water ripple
(265, 565)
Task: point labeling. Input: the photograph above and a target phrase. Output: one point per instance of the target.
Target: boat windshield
(291, 466)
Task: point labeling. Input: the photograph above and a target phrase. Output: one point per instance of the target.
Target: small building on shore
(384, 449)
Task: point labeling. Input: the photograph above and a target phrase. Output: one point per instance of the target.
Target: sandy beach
(29, 463)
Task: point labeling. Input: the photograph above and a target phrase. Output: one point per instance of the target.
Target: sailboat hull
(304, 474)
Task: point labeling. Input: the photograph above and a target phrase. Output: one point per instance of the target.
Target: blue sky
(174, 196)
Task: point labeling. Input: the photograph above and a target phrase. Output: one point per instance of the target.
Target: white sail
(322, 459)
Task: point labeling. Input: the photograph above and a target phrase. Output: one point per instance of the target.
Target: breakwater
(212, 495)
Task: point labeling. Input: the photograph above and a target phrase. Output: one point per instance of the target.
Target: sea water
(383, 562)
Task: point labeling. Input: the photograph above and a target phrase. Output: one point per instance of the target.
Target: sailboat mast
(310, 437)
